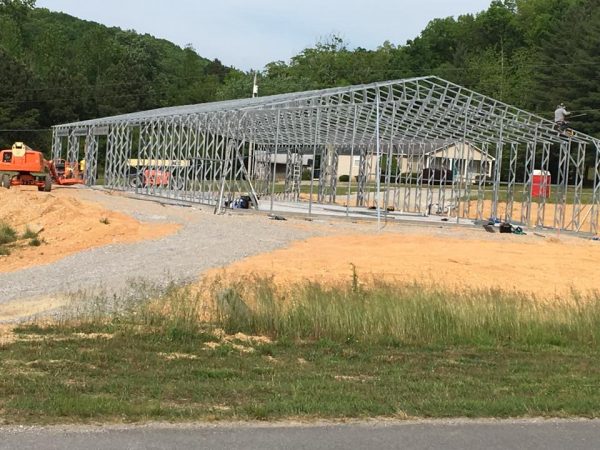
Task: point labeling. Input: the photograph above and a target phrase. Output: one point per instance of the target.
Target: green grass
(29, 234)
(345, 352)
(7, 234)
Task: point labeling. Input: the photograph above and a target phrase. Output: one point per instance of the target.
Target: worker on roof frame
(560, 117)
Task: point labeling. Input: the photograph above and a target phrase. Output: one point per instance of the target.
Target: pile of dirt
(546, 268)
(67, 225)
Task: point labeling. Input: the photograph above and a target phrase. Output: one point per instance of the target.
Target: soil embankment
(68, 225)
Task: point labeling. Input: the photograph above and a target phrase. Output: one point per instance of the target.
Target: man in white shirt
(560, 117)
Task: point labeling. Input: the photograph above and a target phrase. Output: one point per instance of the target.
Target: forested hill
(55, 68)
(531, 53)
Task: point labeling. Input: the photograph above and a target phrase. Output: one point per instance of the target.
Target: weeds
(410, 314)
(406, 314)
(105, 221)
(10, 238)
(7, 234)
(29, 234)
(36, 242)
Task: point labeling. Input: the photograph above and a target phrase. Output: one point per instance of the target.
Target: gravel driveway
(205, 241)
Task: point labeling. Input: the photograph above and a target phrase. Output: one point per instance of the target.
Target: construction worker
(560, 118)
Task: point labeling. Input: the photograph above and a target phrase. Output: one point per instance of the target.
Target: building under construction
(415, 149)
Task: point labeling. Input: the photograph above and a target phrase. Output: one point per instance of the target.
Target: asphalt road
(448, 435)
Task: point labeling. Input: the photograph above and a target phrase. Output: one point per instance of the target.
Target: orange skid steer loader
(22, 166)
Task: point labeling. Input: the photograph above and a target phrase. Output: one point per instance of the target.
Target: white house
(465, 161)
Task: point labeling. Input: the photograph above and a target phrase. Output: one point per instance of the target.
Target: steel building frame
(213, 153)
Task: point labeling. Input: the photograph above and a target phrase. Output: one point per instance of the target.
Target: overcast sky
(249, 34)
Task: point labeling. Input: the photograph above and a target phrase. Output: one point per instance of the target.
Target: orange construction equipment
(22, 166)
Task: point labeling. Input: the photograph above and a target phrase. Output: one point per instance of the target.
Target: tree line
(56, 68)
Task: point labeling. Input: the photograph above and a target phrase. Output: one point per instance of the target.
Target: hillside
(56, 68)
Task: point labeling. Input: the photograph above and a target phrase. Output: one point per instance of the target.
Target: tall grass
(409, 314)
(403, 314)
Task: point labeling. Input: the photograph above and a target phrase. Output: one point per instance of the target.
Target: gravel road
(205, 241)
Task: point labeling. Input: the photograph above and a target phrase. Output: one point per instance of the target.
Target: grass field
(307, 352)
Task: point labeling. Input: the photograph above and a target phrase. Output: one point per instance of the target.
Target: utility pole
(255, 86)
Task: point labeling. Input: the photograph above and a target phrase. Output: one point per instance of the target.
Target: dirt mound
(543, 267)
(68, 226)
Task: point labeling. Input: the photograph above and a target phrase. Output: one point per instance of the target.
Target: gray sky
(249, 34)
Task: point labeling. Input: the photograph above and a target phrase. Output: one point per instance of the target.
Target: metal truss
(447, 150)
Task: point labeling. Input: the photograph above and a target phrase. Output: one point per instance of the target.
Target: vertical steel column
(544, 184)
(364, 168)
(275, 164)
(352, 149)
(219, 158)
(486, 164)
(208, 170)
(179, 161)
(73, 150)
(407, 153)
(136, 175)
(526, 203)
(56, 144)
(512, 180)
(444, 167)
(314, 161)
(594, 227)
(562, 185)
(497, 178)
(192, 157)
(419, 185)
(457, 160)
(469, 178)
(430, 179)
(579, 164)
(378, 161)
(118, 151)
(90, 157)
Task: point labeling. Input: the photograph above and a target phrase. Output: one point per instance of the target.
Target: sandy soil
(69, 225)
(585, 214)
(457, 259)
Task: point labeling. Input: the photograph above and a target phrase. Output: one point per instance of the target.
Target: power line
(25, 130)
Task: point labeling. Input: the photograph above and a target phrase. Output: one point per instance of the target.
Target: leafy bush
(345, 178)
